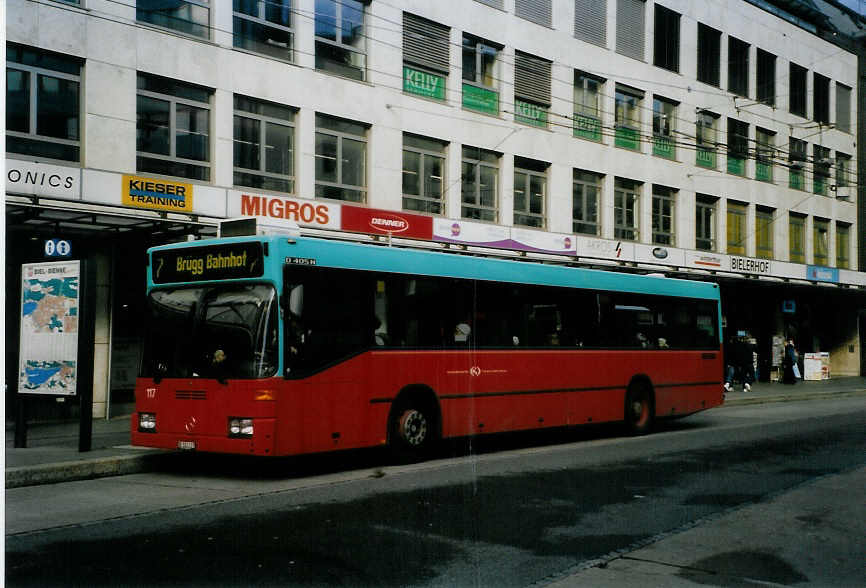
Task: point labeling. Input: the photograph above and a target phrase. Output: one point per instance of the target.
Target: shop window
(340, 38)
(585, 191)
(42, 104)
(479, 184)
(423, 174)
(626, 209)
(264, 26)
(341, 159)
(765, 83)
(264, 145)
(173, 128)
(191, 17)
(530, 189)
(426, 57)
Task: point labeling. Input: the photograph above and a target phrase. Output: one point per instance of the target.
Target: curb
(88, 469)
(788, 397)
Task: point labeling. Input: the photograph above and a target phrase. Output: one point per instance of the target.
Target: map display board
(48, 347)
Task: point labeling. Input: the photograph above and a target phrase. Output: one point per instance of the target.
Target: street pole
(86, 337)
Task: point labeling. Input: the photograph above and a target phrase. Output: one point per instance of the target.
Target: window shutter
(532, 78)
(843, 108)
(426, 43)
(537, 11)
(630, 28)
(493, 3)
(590, 21)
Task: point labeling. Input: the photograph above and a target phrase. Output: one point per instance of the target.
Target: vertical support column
(87, 308)
(100, 300)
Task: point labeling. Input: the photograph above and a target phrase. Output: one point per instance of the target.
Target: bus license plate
(186, 445)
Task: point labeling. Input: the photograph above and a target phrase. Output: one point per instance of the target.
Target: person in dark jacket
(789, 361)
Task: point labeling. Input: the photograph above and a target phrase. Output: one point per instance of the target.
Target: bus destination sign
(214, 262)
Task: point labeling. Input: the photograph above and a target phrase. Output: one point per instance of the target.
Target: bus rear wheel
(412, 431)
(639, 409)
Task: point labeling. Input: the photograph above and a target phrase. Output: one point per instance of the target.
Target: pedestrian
(730, 362)
(744, 356)
(790, 369)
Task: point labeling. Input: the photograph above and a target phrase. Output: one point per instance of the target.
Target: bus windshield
(223, 331)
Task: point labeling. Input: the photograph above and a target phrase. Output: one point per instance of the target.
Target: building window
(738, 146)
(709, 55)
(340, 38)
(423, 174)
(426, 57)
(264, 145)
(765, 84)
(736, 228)
(264, 26)
(664, 125)
(797, 89)
(479, 75)
(843, 245)
(480, 186)
(705, 222)
(764, 233)
(587, 106)
(821, 96)
(626, 213)
(627, 118)
(42, 104)
(530, 189)
(341, 159)
(590, 21)
(537, 11)
(173, 128)
(796, 164)
(820, 241)
(531, 89)
(586, 187)
(630, 28)
(666, 40)
(706, 128)
(738, 67)
(821, 169)
(843, 171)
(797, 238)
(663, 215)
(765, 150)
(185, 16)
(843, 108)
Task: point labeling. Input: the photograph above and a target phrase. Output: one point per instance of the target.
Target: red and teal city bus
(284, 345)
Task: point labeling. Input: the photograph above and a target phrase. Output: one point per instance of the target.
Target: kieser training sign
(157, 194)
(48, 345)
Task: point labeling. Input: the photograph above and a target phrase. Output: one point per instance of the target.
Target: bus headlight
(240, 427)
(146, 422)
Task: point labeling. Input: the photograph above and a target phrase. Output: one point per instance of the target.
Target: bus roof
(404, 260)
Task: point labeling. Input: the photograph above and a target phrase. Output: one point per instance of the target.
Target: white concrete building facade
(710, 139)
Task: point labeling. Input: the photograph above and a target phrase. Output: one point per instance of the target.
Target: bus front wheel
(413, 430)
(639, 409)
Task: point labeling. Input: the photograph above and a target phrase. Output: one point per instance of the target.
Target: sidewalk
(52, 455)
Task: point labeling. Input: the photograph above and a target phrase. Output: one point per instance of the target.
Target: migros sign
(155, 194)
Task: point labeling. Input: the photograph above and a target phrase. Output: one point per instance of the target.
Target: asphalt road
(510, 511)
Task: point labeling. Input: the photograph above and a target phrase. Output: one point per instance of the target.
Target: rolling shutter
(426, 43)
(532, 78)
(493, 3)
(630, 28)
(537, 11)
(590, 21)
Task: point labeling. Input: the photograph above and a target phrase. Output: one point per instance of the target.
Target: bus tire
(413, 429)
(639, 408)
